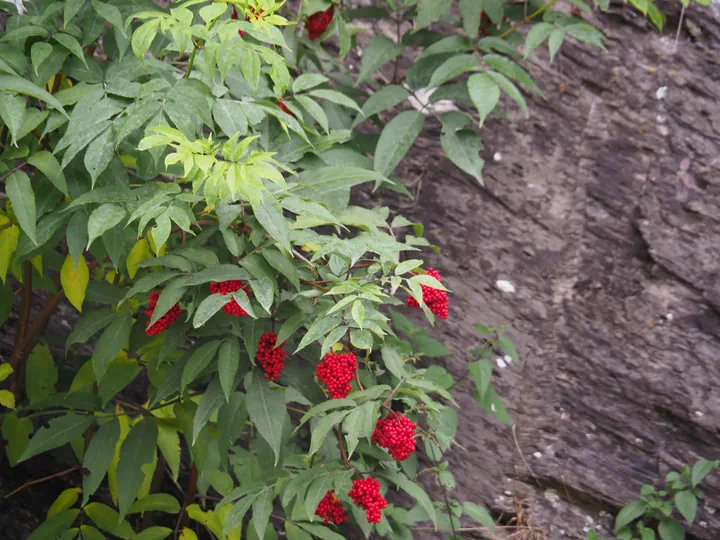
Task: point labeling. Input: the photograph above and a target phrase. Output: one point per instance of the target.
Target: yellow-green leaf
(112, 470)
(64, 501)
(7, 399)
(16, 431)
(5, 371)
(8, 240)
(74, 280)
(139, 252)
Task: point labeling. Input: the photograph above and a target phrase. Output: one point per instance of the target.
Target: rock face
(615, 258)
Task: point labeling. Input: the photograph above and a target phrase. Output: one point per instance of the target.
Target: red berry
(163, 322)
(435, 299)
(227, 287)
(397, 434)
(271, 359)
(331, 509)
(336, 371)
(317, 23)
(366, 494)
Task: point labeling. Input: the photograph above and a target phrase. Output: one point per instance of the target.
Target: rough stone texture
(614, 256)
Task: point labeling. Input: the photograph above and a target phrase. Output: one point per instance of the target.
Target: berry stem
(389, 398)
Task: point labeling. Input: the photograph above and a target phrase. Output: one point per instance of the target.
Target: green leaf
(701, 469)
(511, 69)
(336, 97)
(251, 68)
(321, 429)
(210, 403)
(430, 11)
(72, 8)
(283, 265)
(89, 324)
(452, 67)
(385, 98)
(396, 139)
(306, 81)
(317, 182)
(479, 514)
(155, 533)
(450, 44)
(358, 312)
(98, 457)
(102, 219)
(230, 117)
(19, 191)
(12, 112)
(481, 372)
(414, 490)
(271, 218)
(108, 520)
(169, 445)
(463, 148)
(71, 44)
(319, 327)
(262, 507)
(687, 505)
(393, 361)
(60, 431)
(510, 89)
(47, 164)
(536, 35)
(326, 406)
(23, 86)
(629, 513)
(143, 37)
(379, 51)
(231, 422)
(55, 526)
(556, 39)
(586, 33)
(111, 342)
(228, 363)
(111, 14)
(209, 307)
(508, 348)
(315, 110)
(120, 372)
(353, 424)
(99, 154)
(16, 432)
(156, 502)
(266, 408)
(317, 490)
(471, 11)
(137, 450)
(199, 360)
(41, 373)
(671, 530)
(234, 518)
(321, 531)
(484, 93)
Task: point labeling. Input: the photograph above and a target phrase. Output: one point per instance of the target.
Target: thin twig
(679, 28)
(304, 259)
(526, 19)
(389, 398)
(44, 479)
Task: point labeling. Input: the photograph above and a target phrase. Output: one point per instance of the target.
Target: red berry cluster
(397, 434)
(331, 509)
(227, 287)
(163, 322)
(366, 494)
(317, 23)
(271, 359)
(436, 299)
(336, 371)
